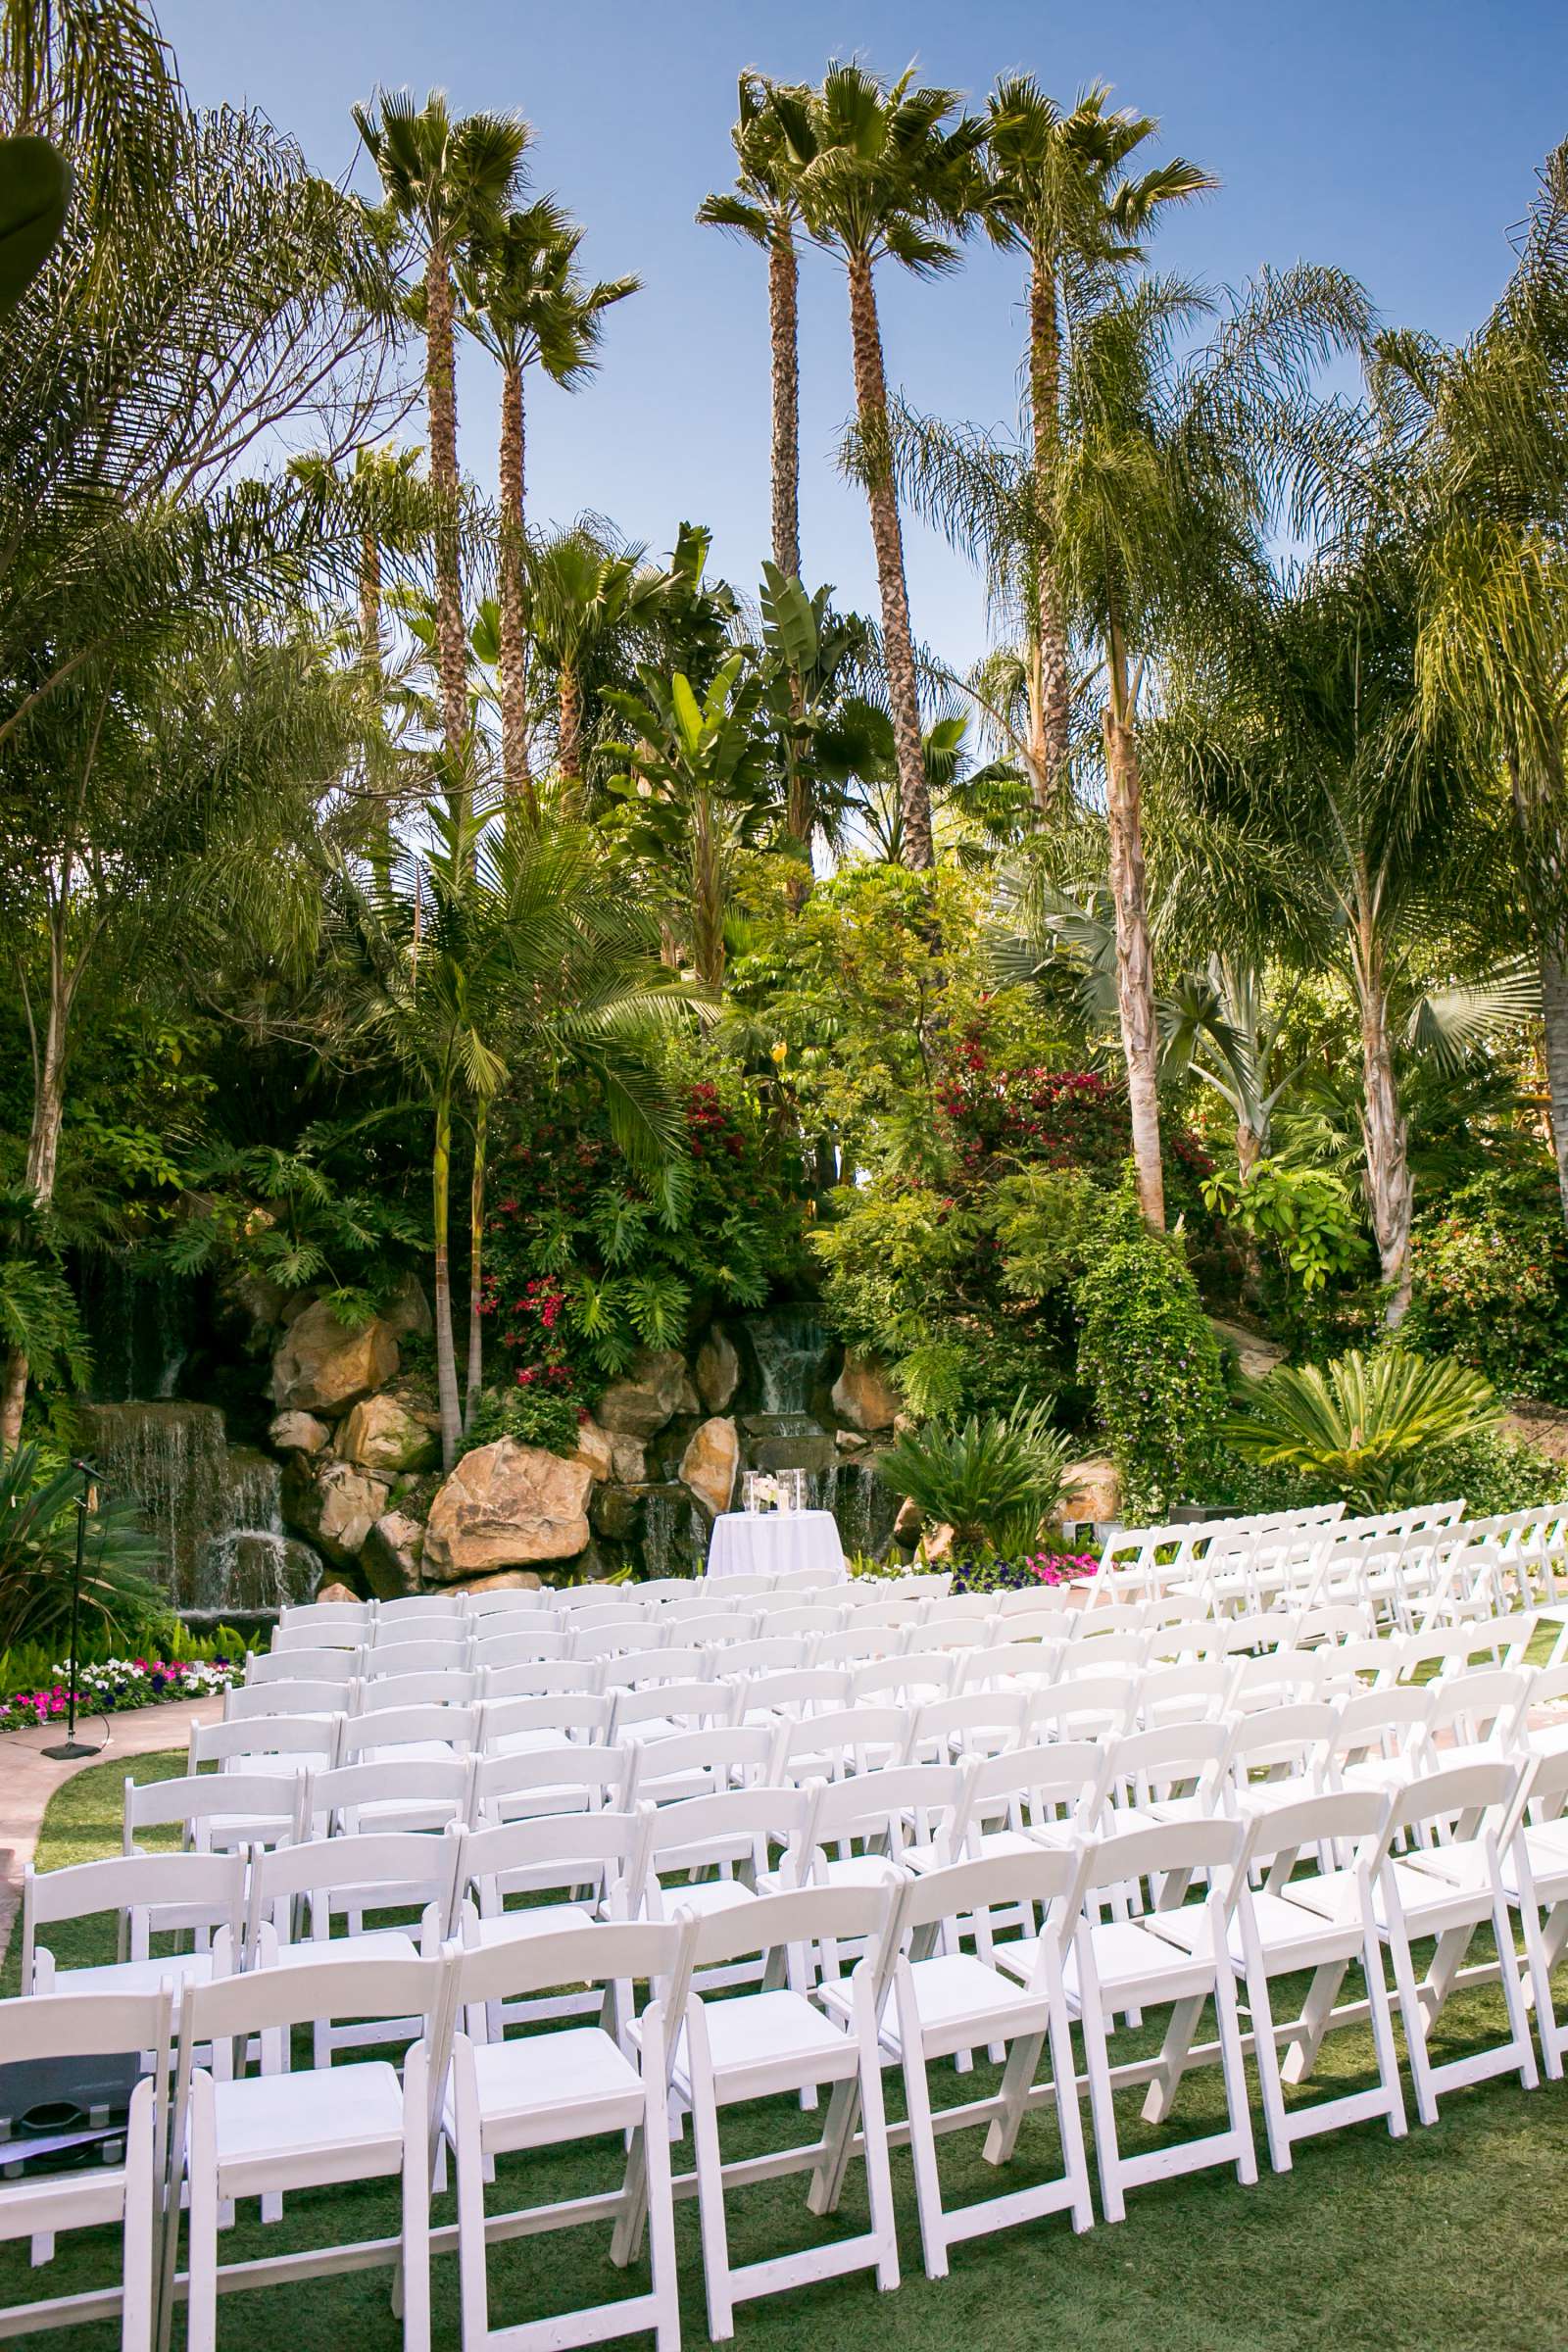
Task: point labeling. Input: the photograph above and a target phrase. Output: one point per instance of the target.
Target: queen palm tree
(524, 301)
(578, 590)
(771, 135)
(447, 183)
(1055, 196)
(885, 172)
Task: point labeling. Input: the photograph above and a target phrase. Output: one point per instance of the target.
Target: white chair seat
(381, 1943)
(324, 2124)
(137, 1976)
(759, 2034)
(538, 1919)
(1285, 1930)
(958, 1995)
(1426, 1898)
(1130, 1958)
(708, 1896)
(544, 2087)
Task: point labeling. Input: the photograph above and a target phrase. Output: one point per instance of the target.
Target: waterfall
(139, 1327)
(674, 1533)
(213, 1508)
(790, 1345)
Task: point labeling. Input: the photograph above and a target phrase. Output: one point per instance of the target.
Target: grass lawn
(1448, 2240)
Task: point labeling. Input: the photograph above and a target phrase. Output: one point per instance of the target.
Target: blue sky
(1397, 138)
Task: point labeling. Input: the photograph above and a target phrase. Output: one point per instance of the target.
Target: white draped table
(776, 1543)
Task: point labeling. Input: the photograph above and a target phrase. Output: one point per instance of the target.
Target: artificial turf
(1450, 2239)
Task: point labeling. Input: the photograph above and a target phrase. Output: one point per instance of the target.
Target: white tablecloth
(776, 1543)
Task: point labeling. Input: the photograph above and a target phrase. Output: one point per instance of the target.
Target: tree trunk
(1135, 969)
(43, 1157)
(708, 897)
(475, 1380)
(1383, 1126)
(1044, 408)
(371, 645)
(1249, 1149)
(897, 641)
(441, 397)
(1554, 1052)
(569, 751)
(783, 283)
(446, 1369)
(513, 640)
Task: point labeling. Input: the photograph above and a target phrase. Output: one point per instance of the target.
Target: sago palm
(1366, 1425)
(991, 1478)
(887, 172)
(525, 300)
(447, 180)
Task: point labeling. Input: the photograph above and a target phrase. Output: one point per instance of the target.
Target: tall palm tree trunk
(514, 639)
(1051, 778)
(569, 750)
(446, 1369)
(1384, 1133)
(783, 287)
(1135, 964)
(44, 1137)
(475, 1377)
(1554, 1052)
(441, 397)
(887, 538)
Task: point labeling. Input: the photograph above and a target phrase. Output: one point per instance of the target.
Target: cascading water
(792, 1349)
(790, 1345)
(674, 1538)
(215, 1508)
(139, 1325)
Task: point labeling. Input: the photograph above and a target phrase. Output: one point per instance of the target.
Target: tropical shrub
(588, 1259)
(1490, 1283)
(1147, 1352)
(1376, 1427)
(37, 1559)
(530, 1413)
(1304, 1215)
(993, 1479)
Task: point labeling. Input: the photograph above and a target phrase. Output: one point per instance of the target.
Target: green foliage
(37, 1555)
(1147, 1352)
(1490, 1283)
(1306, 1215)
(994, 1479)
(1369, 1425)
(530, 1415)
(281, 1216)
(1494, 1474)
(590, 1258)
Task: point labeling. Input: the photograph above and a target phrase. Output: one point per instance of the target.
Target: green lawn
(1448, 2240)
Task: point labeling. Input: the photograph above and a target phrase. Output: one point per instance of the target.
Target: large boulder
(656, 1389)
(1091, 1490)
(406, 1314)
(863, 1397)
(719, 1371)
(1255, 1355)
(509, 1580)
(324, 1367)
(383, 1436)
(299, 1432)
(597, 1447)
(335, 1504)
(710, 1463)
(391, 1556)
(503, 1506)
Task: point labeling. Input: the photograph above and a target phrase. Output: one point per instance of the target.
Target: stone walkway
(29, 1778)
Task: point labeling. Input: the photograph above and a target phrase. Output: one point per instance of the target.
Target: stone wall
(661, 1456)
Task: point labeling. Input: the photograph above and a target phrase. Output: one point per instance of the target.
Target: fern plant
(994, 1478)
(1368, 1426)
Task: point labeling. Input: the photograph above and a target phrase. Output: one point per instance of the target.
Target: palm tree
(578, 591)
(1484, 442)
(1054, 195)
(447, 183)
(512, 943)
(884, 174)
(772, 130)
(523, 300)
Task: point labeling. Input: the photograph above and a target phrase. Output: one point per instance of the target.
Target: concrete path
(29, 1778)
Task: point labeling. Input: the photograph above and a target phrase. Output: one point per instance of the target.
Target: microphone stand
(73, 1750)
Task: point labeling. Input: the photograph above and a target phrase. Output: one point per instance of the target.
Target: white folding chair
(426, 1687)
(519, 1645)
(949, 2002)
(1127, 1965)
(214, 1812)
(848, 1740)
(260, 1702)
(314, 1886)
(147, 1895)
(120, 2193)
(664, 1710)
(336, 1666)
(514, 1727)
(420, 1731)
(541, 1677)
(390, 1792)
(580, 1776)
(747, 2047)
(701, 1763)
(282, 1746)
(554, 2090)
(795, 1695)
(305, 2127)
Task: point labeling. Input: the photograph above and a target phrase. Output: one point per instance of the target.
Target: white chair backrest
(382, 1733)
(809, 1690)
(431, 1687)
(688, 1705)
(580, 1775)
(298, 1738)
(521, 1646)
(540, 1677)
(322, 1633)
(771, 1653)
(212, 1808)
(385, 1870)
(853, 1740)
(146, 1891)
(547, 1719)
(336, 1804)
(701, 1763)
(969, 1723)
(413, 1649)
(546, 1854)
(337, 1666)
(252, 1702)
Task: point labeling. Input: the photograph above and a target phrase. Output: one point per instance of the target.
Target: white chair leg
(200, 2307)
(1266, 2052)
(1233, 2065)
(879, 2171)
(413, 2270)
(710, 2169)
(142, 2224)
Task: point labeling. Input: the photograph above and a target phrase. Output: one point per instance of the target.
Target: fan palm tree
(1483, 433)
(505, 943)
(447, 181)
(524, 301)
(771, 131)
(885, 172)
(1056, 195)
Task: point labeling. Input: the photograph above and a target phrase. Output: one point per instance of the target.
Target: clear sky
(1397, 138)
